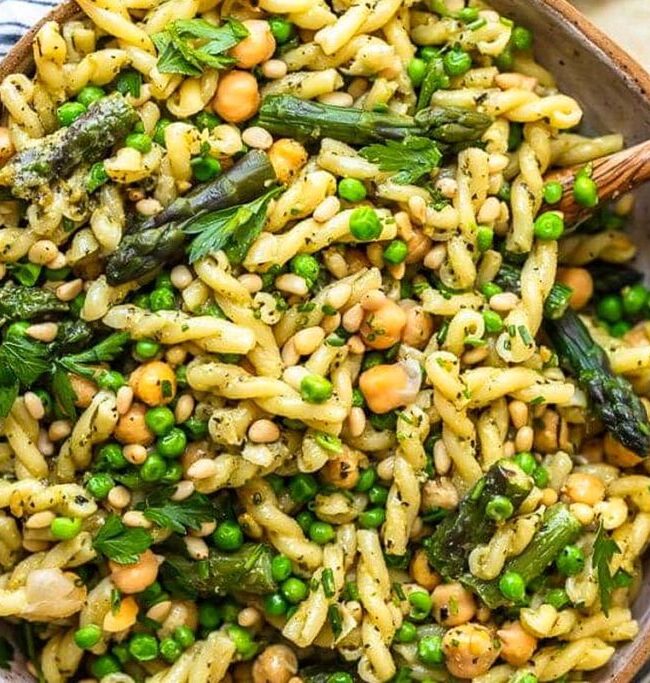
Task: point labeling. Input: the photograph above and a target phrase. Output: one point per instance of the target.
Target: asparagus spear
(306, 120)
(86, 140)
(559, 528)
(27, 303)
(319, 673)
(247, 570)
(162, 237)
(451, 543)
(612, 277)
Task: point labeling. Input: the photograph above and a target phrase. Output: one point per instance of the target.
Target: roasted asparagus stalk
(28, 303)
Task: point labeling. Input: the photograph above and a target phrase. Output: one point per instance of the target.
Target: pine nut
(356, 421)
(508, 449)
(448, 187)
(524, 439)
(441, 458)
(135, 453)
(176, 355)
(135, 518)
(417, 208)
(335, 262)
(373, 300)
(518, 413)
(181, 277)
(43, 252)
(549, 497)
(331, 323)
(184, 489)
(257, 137)
(148, 206)
(489, 211)
(292, 284)
(34, 405)
(196, 548)
(119, 497)
(338, 295)
(294, 375)
(160, 611)
(69, 290)
(404, 226)
(358, 86)
(327, 209)
(375, 254)
(45, 332)
(584, 513)
(123, 399)
(386, 468)
(353, 318)
(356, 345)
(249, 617)
(40, 520)
(474, 356)
(203, 468)
(503, 302)
(274, 69)
(263, 431)
(289, 354)
(497, 163)
(59, 429)
(252, 282)
(35, 546)
(435, 258)
(308, 340)
(58, 262)
(397, 271)
(337, 99)
(44, 445)
(205, 529)
(184, 408)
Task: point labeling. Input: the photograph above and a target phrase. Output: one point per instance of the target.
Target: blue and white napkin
(17, 16)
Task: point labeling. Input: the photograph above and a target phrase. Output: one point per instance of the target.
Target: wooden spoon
(614, 175)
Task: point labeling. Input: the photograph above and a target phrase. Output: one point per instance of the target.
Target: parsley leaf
(409, 159)
(179, 516)
(604, 549)
(177, 55)
(120, 543)
(237, 227)
(27, 358)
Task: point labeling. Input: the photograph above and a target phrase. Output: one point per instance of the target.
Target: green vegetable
(553, 192)
(526, 460)
(457, 62)
(143, 647)
(372, 518)
(512, 586)
(604, 549)
(499, 508)
(104, 666)
(146, 348)
(159, 132)
(206, 119)
(570, 561)
(172, 444)
(434, 79)
(406, 633)
(549, 226)
(188, 46)
(493, 321)
(585, 191)
(228, 536)
(280, 568)
(120, 543)
(179, 516)
(557, 597)
(395, 252)
(27, 303)
(86, 140)
(275, 604)
(378, 495)
(69, 112)
(484, 237)
(90, 94)
(416, 70)
(138, 141)
(159, 420)
(129, 82)
(294, 590)
(170, 650)
(457, 535)
(634, 299)
(408, 159)
(111, 380)
(557, 301)
(365, 224)
(99, 485)
(281, 29)
(611, 278)
(352, 190)
(302, 487)
(321, 532)
(430, 650)
(184, 636)
(315, 389)
(111, 456)
(306, 266)
(87, 636)
(421, 603)
(205, 168)
(366, 479)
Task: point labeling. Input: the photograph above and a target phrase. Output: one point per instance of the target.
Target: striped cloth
(16, 16)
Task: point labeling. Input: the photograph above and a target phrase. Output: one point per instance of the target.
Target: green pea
(305, 519)
(321, 532)
(406, 633)
(315, 389)
(557, 597)
(396, 252)
(634, 299)
(302, 487)
(512, 586)
(159, 131)
(104, 666)
(493, 321)
(370, 360)
(351, 190)
(499, 508)
(306, 266)
(206, 119)
(428, 52)
(87, 636)
(553, 192)
(378, 495)
(489, 289)
(143, 647)
(160, 420)
(90, 94)
(549, 226)
(282, 30)
(468, 14)
(570, 561)
(141, 300)
(505, 61)
(147, 348)
(416, 70)
(280, 568)
(421, 603)
(620, 328)
(97, 177)
(505, 191)
(541, 477)
(457, 62)
(209, 615)
(153, 468)
(522, 38)
(69, 112)
(111, 455)
(610, 308)
(111, 380)
(365, 224)
(195, 427)
(162, 300)
(205, 168)
(585, 191)
(366, 479)
(373, 518)
(430, 650)
(528, 678)
(484, 237)
(65, 528)
(99, 485)
(294, 590)
(139, 141)
(526, 461)
(172, 444)
(275, 604)
(170, 650)
(184, 636)
(339, 677)
(121, 652)
(228, 536)
(173, 473)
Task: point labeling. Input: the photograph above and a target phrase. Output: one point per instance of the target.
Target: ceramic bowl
(614, 92)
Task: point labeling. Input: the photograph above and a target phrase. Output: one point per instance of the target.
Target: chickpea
(237, 97)
(7, 149)
(418, 328)
(342, 470)
(131, 427)
(384, 387)
(287, 157)
(84, 390)
(257, 47)
(421, 572)
(276, 664)
(470, 650)
(582, 487)
(418, 246)
(154, 383)
(580, 281)
(382, 328)
(452, 604)
(124, 617)
(517, 645)
(134, 578)
(616, 453)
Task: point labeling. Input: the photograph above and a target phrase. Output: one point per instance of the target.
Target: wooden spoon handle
(614, 175)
